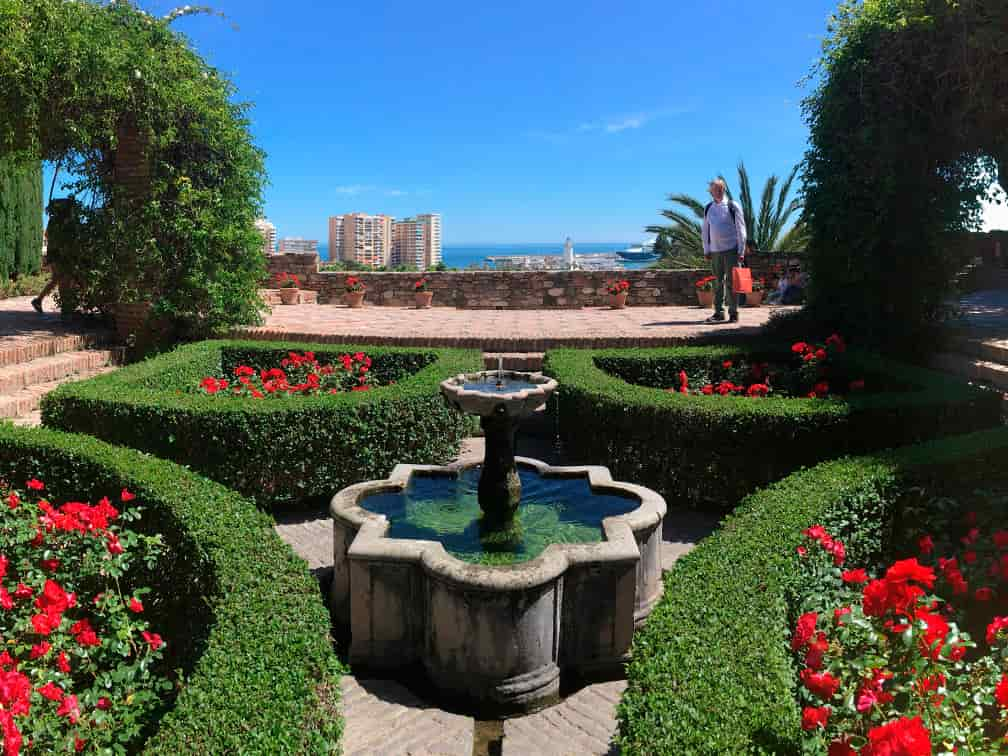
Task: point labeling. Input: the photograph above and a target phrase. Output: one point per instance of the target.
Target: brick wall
(495, 289)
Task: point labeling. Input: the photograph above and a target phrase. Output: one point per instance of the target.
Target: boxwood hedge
(709, 451)
(245, 623)
(277, 451)
(711, 671)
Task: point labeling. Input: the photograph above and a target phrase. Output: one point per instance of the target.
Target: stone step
(989, 349)
(14, 353)
(52, 368)
(525, 362)
(25, 401)
(972, 368)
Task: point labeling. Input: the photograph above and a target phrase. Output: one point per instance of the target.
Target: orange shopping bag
(741, 280)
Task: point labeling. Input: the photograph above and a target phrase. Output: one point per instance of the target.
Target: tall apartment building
(417, 241)
(268, 232)
(362, 238)
(295, 244)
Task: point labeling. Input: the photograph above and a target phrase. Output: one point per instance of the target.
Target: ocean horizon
(465, 255)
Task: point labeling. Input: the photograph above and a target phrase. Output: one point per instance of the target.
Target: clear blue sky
(520, 121)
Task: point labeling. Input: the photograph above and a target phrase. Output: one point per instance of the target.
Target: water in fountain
(446, 508)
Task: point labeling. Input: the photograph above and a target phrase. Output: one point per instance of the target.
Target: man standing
(724, 239)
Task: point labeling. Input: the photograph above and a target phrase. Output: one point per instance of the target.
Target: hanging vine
(163, 166)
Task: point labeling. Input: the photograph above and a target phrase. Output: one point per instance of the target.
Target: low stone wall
(484, 289)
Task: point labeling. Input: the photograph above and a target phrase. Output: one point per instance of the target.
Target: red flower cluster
(705, 284)
(54, 653)
(832, 546)
(617, 287)
(901, 737)
(420, 285)
(287, 281)
(353, 285)
(298, 374)
(815, 360)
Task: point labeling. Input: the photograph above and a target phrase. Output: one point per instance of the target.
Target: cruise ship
(640, 253)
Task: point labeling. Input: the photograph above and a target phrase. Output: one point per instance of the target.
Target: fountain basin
(519, 394)
(497, 638)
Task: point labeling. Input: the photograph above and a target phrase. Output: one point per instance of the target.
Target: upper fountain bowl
(486, 392)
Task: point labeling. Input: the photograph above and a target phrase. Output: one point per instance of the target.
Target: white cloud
(395, 193)
(352, 189)
(634, 122)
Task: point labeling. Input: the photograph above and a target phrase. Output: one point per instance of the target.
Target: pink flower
(70, 709)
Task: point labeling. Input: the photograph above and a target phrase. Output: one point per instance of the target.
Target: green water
(445, 508)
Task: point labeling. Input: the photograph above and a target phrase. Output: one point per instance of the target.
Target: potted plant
(288, 284)
(755, 298)
(618, 293)
(355, 289)
(705, 291)
(422, 294)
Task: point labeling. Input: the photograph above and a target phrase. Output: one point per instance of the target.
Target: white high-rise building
(268, 232)
(362, 238)
(417, 241)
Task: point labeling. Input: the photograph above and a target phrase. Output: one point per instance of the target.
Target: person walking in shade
(724, 243)
(63, 219)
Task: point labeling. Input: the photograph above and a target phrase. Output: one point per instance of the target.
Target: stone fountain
(494, 578)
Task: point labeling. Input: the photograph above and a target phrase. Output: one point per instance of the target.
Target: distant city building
(268, 232)
(297, 245)
(417, 241)
(361, 238)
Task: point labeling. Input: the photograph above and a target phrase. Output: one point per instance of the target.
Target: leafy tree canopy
(163, 165)
(909, 123)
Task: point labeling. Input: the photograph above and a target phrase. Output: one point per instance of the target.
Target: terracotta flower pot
(618, 301)
(705, 298)
(354, 298)
(289, 295)
(754, 299)
(423, 299)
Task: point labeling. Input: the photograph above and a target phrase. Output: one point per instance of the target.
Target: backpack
(731, 209)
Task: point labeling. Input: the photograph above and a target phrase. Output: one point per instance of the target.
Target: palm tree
(766, 228)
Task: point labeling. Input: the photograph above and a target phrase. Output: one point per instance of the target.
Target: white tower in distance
(569, 254)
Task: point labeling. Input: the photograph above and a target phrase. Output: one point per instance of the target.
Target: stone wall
(482, 289)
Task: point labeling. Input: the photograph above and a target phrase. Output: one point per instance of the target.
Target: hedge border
(711, 670)
(265, 678)
(152, 406)
(739, 443)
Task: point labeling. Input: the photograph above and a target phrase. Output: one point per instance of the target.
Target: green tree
(20, 218)
(765, 224)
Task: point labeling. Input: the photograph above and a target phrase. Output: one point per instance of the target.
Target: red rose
(839, 613)
(69, 709)
(799, 347)
(1001, 692)
(153, 640)
(855, 576)
(984, 594)
(35, 484)
(814, 717)
(821, 684)
(996, 626)
(804, 629)
(901, 737)
(925, 545)
(816, 648)
(51, 691)
(841, 748)
(103, 703)
(135, 606)
(63, 662)
(126, 495)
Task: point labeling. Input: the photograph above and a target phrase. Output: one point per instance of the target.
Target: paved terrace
(500, 330)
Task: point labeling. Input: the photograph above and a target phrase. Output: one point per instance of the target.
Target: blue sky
(519, 121)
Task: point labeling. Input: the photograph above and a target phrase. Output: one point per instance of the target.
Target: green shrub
(709, 451)
(711, 671)
(278, 452)
(247, 629)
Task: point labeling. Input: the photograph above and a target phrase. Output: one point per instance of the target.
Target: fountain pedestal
(499, 485)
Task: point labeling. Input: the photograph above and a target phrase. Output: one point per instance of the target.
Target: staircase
(978, 359)
(31, 369)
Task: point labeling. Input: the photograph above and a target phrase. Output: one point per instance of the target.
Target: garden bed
(246, 626)
(281, 451)
(615, 408)
(712, 670)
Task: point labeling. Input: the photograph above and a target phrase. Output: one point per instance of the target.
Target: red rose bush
(298, 374)
(79, 659)
(887, 670)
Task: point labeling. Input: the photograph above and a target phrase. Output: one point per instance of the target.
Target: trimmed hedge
(711, 671)
(710, 451)
(277, 451)
(241, 613)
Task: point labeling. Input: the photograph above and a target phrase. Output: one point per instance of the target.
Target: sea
(466, 255)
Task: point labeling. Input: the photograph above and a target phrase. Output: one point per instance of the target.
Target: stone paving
(500, 330)
(384, 717)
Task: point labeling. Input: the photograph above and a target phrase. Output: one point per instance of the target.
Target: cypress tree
(20, 218)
